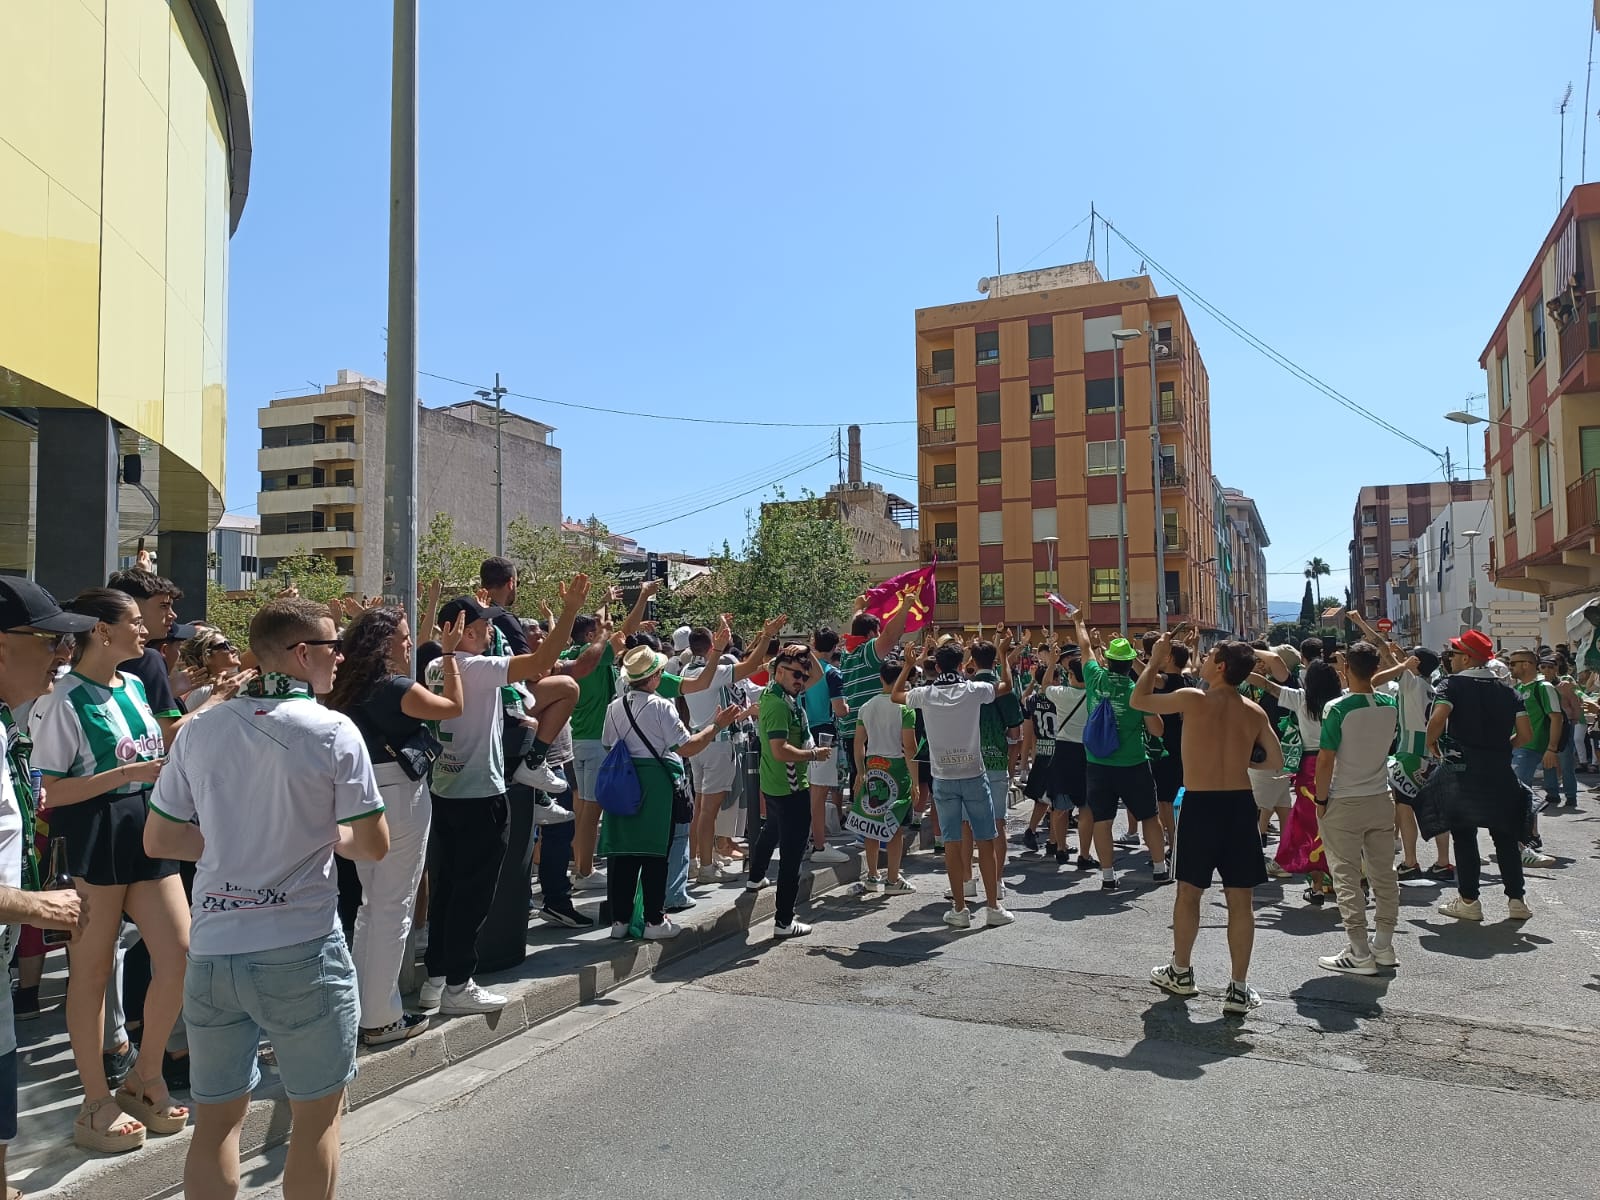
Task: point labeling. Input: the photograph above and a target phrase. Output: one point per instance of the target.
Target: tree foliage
(441, 556)
(1308, 608)
(547, 556)
(314, 576)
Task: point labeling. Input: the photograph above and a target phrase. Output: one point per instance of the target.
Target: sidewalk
(564, 968)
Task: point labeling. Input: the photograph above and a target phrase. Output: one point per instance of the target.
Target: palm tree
(1315, 570)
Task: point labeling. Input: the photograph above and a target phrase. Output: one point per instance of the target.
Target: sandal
(1314, 897)
(123, 1134)
(163, 1119)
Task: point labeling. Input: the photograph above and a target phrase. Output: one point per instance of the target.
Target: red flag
(884, 600)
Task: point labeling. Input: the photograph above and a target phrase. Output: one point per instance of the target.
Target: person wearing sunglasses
(208, 658)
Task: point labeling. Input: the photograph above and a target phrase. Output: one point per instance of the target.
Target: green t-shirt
(993, 720)
(596, 691)
(86, 728)
(862, 682)
(780, 716)
(1102, 685)
(1541, 699)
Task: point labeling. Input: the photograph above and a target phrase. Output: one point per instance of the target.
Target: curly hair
(194, 653)
(365, 646)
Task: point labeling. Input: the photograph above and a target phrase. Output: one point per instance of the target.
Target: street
(884, 1055)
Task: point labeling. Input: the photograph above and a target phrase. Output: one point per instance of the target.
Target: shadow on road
(1471, 939)
(1174, 1045)
(1338, 1003)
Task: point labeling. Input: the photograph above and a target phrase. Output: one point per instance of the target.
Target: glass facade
(123, 149)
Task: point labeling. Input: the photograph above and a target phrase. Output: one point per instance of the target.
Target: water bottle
(58, 879)
(1177, 801)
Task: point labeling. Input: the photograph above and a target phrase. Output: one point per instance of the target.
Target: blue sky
(732, 210)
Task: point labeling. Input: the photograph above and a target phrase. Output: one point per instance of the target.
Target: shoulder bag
(415, 753)
(682, 789)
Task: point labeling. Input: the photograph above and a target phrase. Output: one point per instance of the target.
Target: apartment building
(321, 463)
(1387, 521)
(1451, 589)
(1542, 442)
(1017, 458)
(1248, 552)
(233, 557)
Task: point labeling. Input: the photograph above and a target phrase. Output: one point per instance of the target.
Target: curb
(157, 1170)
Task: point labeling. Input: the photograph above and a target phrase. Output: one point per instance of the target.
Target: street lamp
(1055, 586)
(1472, 536)
(1118, 336)
(1157, 351)
(497, 393)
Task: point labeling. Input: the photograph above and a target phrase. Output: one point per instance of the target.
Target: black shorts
(1169, 777)
(1218, 835)
(1069, 767)
(105, 841)
(1135, 786)
(8, 1098)
(925, 772)
(1040, 776)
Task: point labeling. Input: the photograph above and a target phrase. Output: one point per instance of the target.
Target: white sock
(1240, 984)
(1384, 940)
(1107, 873)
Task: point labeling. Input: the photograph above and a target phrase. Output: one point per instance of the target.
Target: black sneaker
(1087, 863)
(175, 1071)
(1444, 874)
(408, 1026)
(25, 1003)
(565, 915)
(1408, 871)
(1161, 874)
(118, 1065)
(1109, 885)
(938, 849)
(1063, 857)
(1030, 839)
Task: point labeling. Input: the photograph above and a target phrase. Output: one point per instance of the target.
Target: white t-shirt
(472, 763)
(884, 721)
(950, 716)
(269, 782)
(1359, 728)
(703, 705)
(657, 718)
(1294, 700)
(1072, 711)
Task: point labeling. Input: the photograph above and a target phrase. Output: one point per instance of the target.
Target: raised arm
(1006, 655)
(534, 666)
(1273, 665)
(898, 692)
(895, 627)
(1081, 631)
(1390, 674)
(1144, 698)
(631, 623)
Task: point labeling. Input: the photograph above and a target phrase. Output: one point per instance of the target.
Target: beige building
(1248, 542)
(321, 462)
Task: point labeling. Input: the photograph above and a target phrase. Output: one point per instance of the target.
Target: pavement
(885, 1055)
(888, 1055)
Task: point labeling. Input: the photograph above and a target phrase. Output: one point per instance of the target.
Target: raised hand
(450, 635)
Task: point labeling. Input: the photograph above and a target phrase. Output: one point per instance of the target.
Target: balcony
(1178, 603)
(287, 458)
(1171, 477)
(944, 551)
(1583, 503)
(1171, 411)
(945, 614)
(929, 435)
(1176, 541)
(927, 377)
(280, 545)
(287, 500)
(937, 493)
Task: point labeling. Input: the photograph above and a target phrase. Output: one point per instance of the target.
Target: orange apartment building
(1017, 444)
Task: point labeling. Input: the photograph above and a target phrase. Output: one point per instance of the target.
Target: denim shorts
(303, 997)
(586, 757)
(968, 800)
(1000, 795)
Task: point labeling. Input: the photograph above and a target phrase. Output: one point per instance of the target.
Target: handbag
(416, 753)
(682, 790)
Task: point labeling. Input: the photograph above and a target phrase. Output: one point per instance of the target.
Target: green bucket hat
(1121, 650)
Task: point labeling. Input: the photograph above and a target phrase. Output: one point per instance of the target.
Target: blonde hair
(194, 653)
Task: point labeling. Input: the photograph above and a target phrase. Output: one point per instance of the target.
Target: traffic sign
(1384, 625)
(1472, 616)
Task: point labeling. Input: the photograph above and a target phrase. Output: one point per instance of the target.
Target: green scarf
(270, 685)
(19, 751)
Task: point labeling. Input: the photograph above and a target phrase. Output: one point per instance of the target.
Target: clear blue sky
(732, 210)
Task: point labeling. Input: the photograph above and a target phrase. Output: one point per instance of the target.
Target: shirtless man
(1223, 735)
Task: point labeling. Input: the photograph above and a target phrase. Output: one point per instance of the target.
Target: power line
(1051, 246)
(736, 483)
(726, 500)
(887, 471)
(625, 412)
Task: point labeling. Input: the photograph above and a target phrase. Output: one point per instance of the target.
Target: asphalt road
(886, 1056)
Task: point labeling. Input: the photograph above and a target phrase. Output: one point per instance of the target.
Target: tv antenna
(1561, 110)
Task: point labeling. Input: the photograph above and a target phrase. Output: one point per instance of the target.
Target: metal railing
(1583, 502)
(945, 551)
(1171, 410)
(937, 493)
(928, 377)
(1177, 602)
(1177, 540)
(1173, 478)
(931, 435)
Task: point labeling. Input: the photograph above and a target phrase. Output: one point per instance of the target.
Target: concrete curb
(157, 1170)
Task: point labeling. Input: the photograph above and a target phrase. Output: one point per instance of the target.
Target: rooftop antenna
(1561, 109)
(997, 244)
(1588, 75)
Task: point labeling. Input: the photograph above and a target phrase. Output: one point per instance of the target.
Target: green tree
(313, 576)
(547, 557)
(1315, 570)
(441, 556)
(797, 559)
(1308, 608)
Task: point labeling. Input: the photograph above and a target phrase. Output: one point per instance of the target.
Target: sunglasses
(222, 648)
(314, 642)
(58, 641)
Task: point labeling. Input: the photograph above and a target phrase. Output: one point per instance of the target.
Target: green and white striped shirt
(85, 728)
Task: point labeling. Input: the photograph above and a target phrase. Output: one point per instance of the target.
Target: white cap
(680, 638)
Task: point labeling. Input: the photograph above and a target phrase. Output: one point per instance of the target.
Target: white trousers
(389, 894)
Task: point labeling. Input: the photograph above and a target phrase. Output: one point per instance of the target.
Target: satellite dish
(984, 284)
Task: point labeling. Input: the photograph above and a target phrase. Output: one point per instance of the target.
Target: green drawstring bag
(636, 924)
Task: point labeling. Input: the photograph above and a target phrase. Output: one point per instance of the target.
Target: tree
(314, 576)
(547, 557)
(797, 559)
(1308, 608)
(1315, 570)
(441, 556)
(1283, 633)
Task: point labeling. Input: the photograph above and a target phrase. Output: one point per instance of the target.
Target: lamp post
(1472, 536)
(1055, 586)
(498, 393)
(1118, 336)
(1157, 350)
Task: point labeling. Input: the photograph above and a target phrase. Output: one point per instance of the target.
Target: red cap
(1475, 644)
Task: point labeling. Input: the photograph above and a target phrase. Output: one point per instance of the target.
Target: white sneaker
(1347, 962)
(1463, 910)
(1518, 910)
(998, 915)
(1237, 1001)
(755, 885)
(1385, 956)
(544, 777)
(899, 887)
(471, 998)
(792, 929)
(1536, 858)
(1180, 982)
(958, 918)
(716, 875)
(829, 855)
(431, 993)
(593, 881)
(866, 885)
(666, 930)
(619, 930)
(550, 813)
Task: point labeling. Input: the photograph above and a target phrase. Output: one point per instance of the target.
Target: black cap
(23, 602)
(178, 633)
(462, 604)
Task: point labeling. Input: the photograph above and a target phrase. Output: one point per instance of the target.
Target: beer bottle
(58, 879)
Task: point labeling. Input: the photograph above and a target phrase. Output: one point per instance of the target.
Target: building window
(944, 591)
(1369, 548)
(1369, 514)
(1589, 448)
(944, 475)
(988, 408)
(345, 564)
(344, 522)
(991, 529)
(1041, 341)
(1044, 462)
(1042, 403)
(944, 417)
(1100, 395)
(988, 467)
(1169, 401)
(992, 587)
(944, 538)
(1511, 499)
(344, 433)
(1503, 399)
(1103, 521)
(1542, 463)
(1169, 526)
(1105, 584)
(1043, 585)
(1370, 577)
(988, 346)
(1536, 329)
(1103, 458)
(1044, 523)
(345, 477)
(1164, 334)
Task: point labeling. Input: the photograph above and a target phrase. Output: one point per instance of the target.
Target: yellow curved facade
(124, 156)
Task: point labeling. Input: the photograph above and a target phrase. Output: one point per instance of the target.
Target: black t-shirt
(1042, 711)
(151, 669)
(381, 720)
(1483, 712)
(511, 626)
(1172, 723)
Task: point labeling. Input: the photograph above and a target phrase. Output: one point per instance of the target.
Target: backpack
(617, 788)
(1100, 736)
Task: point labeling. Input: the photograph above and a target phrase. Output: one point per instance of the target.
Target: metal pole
(1122, 495)
(499, 474)
(1050, 609)
(400, 427)
(1155, 480)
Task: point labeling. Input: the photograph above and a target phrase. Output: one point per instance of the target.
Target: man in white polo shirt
(260, 792)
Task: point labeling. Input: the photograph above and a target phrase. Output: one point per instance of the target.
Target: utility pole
(1155, 480)
(400, 427)
(1118, 336)
(498, 393)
